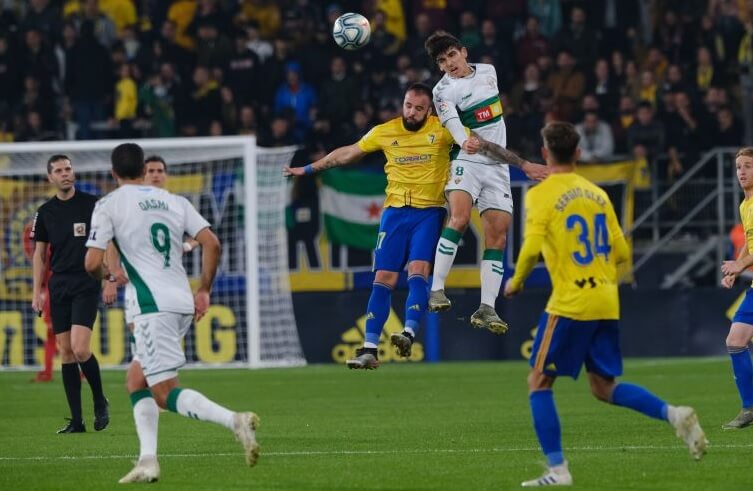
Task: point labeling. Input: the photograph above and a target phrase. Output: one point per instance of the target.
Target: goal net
(250, 321)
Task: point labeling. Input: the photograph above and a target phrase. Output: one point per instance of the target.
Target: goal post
(239, 189)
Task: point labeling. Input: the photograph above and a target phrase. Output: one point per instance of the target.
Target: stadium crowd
(642, 77)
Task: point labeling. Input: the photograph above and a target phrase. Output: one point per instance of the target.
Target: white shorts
(130, 304)
(158, 344)
(488, 185)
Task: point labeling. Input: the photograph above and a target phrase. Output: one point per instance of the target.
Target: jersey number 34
(590, 246)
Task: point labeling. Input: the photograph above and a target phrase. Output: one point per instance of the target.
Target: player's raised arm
(498, 152)
(336, 158)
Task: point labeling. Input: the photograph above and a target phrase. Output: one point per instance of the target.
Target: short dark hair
(128, 161)
(561, 139)
(421, 88)
(645, 105)
(156, 158)
(441, 42)
(55, 158)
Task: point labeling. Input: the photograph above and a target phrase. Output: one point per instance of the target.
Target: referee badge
(79, 229)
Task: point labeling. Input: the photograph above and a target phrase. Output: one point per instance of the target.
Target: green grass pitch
(463, 426)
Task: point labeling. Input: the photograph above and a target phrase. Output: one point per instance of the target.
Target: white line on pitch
(314, 453)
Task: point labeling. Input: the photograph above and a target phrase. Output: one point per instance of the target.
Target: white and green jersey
(474, 101)
(147, 225)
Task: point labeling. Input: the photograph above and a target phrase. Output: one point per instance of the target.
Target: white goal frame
(244, 147)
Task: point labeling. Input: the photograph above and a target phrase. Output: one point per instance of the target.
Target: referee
(63, 223)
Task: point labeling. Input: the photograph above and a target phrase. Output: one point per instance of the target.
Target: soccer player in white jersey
(467, 96)
(155, 174)
(147, 225)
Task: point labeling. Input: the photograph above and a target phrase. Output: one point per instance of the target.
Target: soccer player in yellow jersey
(417, 149)
(741, 330)
(572, 223)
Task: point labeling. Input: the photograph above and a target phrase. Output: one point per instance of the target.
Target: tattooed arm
(336, 158)
(497, 152)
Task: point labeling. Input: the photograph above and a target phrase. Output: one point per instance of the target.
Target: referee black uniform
(74, 295)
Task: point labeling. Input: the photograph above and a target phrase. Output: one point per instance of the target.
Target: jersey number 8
(600, 245)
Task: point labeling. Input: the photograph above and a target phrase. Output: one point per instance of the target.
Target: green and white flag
(351, 202)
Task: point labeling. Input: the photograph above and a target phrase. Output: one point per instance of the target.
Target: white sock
(146, 417)
(367, 344)
(195, 405)
(447, 248)
(491, 276)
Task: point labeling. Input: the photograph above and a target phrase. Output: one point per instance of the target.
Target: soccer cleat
(42, 377)
(485, 317)
(72, 427)
(366, 359)
(244, 427)
(403, 342)
(101, 415)
(438, 301)
(685, 422)
(744, 418)
(554, 476)
(145, 470)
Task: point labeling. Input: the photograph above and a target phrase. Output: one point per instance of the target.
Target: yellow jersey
(572, 223)
(746, 217)
(418, 162)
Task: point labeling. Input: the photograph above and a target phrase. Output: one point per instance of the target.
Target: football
(351, 31)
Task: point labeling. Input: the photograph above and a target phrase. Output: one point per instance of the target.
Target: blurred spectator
(181, 13)
(121, 12)
(525, 95)
(645, 137)
(278, 135)
(339, 94)
(104, 28)
(506, 17)
(202, 106)
(437, 12)
(88, 80)
(710, 38)
(157, 98)
(213, 49)
(706, 74)
(596, 141)
(381, 88)
(296, 95)
(567, 84)
(38, 60)
(34, 129)
(44, 16)
(395, 18)
(671, 39)
(470, 35)
(414, 46)
(126, 102)
(210, 12)
(228, 110)
(247, 121)
(622, 122)
(497, 50)
(617, 19)
(656, 63)
(728, 132)
(604, 87)
(579, 39)
(383, 45)
(264, 13)
(261, 47)
(648, 89)
(549, 13)
(243, 70)
(531, 45)
(745, 61)
(10, 80)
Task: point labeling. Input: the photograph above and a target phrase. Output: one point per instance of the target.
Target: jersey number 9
(161, 241)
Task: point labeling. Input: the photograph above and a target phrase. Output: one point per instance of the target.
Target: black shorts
(74, 300)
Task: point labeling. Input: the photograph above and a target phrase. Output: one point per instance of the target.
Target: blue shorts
(407, 234)
(563, 345)
(744, 312)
